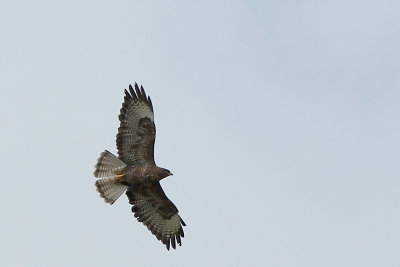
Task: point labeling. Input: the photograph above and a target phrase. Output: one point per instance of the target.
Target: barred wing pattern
(137, 131)
(152, 207)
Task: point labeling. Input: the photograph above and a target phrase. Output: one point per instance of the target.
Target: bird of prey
(135, 171)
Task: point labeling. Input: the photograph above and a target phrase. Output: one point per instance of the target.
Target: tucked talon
(119, 177)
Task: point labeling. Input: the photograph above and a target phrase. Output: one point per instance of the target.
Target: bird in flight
(135, 171)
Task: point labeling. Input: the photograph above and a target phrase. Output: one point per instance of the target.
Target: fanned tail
(110, 189)
(108, 167)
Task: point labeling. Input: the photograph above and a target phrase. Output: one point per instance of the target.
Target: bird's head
(165, 173)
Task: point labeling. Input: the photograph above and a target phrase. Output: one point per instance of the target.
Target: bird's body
(144, 173)
(135, 171)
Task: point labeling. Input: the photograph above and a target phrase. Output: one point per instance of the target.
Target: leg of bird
(119, 177)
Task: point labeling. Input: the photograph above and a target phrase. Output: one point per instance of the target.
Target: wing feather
(137, 131)
(152, 207)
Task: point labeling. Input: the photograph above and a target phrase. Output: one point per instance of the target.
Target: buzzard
(135, 171)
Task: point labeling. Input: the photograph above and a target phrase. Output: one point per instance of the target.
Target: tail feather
(110, 189)
(108, 167)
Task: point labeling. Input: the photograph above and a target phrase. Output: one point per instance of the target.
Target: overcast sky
(279, 120)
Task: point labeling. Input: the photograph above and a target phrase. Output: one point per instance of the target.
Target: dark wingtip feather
(143, 93)
(173, 242)
(150, 103)
(127, 94)
(138, 94)
(132, 92)
(178, 239)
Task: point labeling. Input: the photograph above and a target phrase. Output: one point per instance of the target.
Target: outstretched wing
(137, 132)
(152, 207)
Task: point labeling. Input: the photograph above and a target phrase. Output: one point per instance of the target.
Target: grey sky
(279, 120)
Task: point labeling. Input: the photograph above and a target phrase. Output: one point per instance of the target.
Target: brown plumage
(136, 172)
